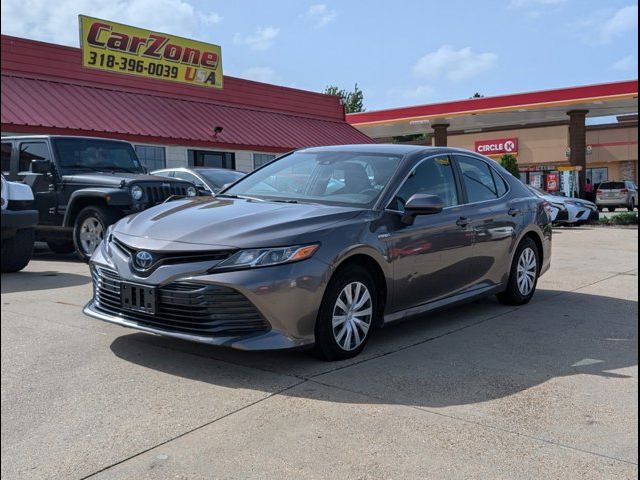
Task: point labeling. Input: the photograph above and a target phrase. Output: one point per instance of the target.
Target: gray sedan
(323, 245)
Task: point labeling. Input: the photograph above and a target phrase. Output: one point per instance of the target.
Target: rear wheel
(90, 226)
(348, 312)
(523, 277)
(61, 246)
(632, 206)
(17, 251)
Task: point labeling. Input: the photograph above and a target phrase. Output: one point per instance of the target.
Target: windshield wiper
(279, 200)
(241, 197)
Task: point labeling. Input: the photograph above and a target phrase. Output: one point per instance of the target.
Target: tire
(89, 227)
(17, 251)
(632, 206)
(341, 342)
(514, 294)
(61, 246)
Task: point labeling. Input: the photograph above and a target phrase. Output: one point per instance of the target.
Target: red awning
(86, 109)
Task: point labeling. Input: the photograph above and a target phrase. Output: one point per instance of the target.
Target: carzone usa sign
(120, 48)
(497, 147)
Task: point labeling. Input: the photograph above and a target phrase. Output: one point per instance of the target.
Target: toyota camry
(322, 246)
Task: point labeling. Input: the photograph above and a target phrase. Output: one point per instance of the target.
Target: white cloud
(625, 64)
(454, 65)
(261, 40)
(418, 92)
(320, 14)
(623, 21)
(57, 21)
(260, 74)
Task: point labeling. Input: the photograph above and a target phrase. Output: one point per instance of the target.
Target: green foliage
(510, 163)
(627, 218)
(353, 101)
(410, 138)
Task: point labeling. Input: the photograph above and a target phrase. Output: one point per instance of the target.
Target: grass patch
(628, 218)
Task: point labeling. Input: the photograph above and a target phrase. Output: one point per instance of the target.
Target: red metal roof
(540, 99)
(45, 90)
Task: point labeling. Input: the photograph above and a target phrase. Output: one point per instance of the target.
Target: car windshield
(78, 154)
(219, 178)
(335, 178)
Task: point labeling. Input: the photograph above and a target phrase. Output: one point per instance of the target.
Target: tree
(353, 101)
(510, 163)
(477, 95)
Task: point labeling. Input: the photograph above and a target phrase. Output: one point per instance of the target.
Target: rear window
(611, 186)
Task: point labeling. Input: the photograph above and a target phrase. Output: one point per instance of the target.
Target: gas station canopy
(520, 109)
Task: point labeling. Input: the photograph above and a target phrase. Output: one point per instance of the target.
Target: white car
(566, 210)
(19, 220)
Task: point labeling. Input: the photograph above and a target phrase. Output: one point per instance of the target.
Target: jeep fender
(110, 196)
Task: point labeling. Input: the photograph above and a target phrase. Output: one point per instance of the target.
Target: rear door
(494, 217)
(432, 257)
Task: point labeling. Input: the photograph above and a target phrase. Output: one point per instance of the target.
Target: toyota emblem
(143, 259)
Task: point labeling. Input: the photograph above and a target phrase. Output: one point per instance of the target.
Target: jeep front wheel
(89, 228)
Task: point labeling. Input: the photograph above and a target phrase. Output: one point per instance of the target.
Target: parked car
(614, 195)
(19, 220)
(253, 268)
(207, 180)
(567, 210)
(82, 185)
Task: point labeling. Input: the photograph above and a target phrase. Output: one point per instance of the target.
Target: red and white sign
(499, 146)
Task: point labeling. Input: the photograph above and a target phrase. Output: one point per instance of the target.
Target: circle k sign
(499, 146)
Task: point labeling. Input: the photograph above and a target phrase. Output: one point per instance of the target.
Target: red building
(45, 90)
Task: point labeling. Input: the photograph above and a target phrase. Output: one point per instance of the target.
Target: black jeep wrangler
(82, 185)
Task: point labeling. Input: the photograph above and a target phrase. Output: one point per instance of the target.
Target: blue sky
(400, 53)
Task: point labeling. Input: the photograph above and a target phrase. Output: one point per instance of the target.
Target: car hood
(235, 223)
(563, 200)
(116, 179)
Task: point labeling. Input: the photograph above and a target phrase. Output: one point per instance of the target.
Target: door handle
(514, 212)
(462, 222)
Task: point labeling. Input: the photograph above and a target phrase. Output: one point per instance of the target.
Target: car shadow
(42, 280)
(435, 361)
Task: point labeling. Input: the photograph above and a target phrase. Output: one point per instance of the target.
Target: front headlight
(559, 206)
(576, 203)
(263, 257)
(191, 191)
(137, 192)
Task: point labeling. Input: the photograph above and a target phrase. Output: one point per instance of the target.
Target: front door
(432, 257)
(44, 186)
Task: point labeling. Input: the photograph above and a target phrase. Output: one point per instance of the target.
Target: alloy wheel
(91, 234)
(527, 271)
(352, 314)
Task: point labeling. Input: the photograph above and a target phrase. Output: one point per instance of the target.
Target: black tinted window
(478, 179)
(32, 151)
(434, 176)
(6, 158)
(501, 185)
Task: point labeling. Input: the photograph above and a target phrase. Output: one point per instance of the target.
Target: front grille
(207, 310)
(159, 193)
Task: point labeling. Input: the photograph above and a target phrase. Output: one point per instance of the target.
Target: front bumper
(287, 296)
(19, 219)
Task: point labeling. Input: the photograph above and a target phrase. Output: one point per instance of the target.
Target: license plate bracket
(138, 298)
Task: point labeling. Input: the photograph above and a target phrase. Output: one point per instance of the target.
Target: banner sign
(120, 48)
(500, 146)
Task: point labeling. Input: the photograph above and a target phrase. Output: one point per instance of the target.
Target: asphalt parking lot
(548, 390)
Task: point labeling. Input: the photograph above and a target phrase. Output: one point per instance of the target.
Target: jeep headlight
(192, 192)
(263, 257)
(137, 193)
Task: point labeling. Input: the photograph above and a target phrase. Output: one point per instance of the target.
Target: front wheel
(17, 251)
(90, 226)
(348, 312)
(523, 277)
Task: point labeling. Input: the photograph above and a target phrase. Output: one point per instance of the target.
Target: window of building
(154, 158)
(205, 158)
(260, 159)
(598, 175)
(434, 176)
(478, 179)
(32, 151)
(6, 158)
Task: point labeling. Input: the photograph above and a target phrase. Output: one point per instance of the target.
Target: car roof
(44, 137)
(387, 148)
(196, 169)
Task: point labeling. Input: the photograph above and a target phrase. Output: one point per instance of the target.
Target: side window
(501, 185)
(434, 176)
(188, 177)
(478, 179)
(32, 151)
(6, 158)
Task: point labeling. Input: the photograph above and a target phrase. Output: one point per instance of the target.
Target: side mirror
(41, 166)
(203, 191)
(421, 204)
